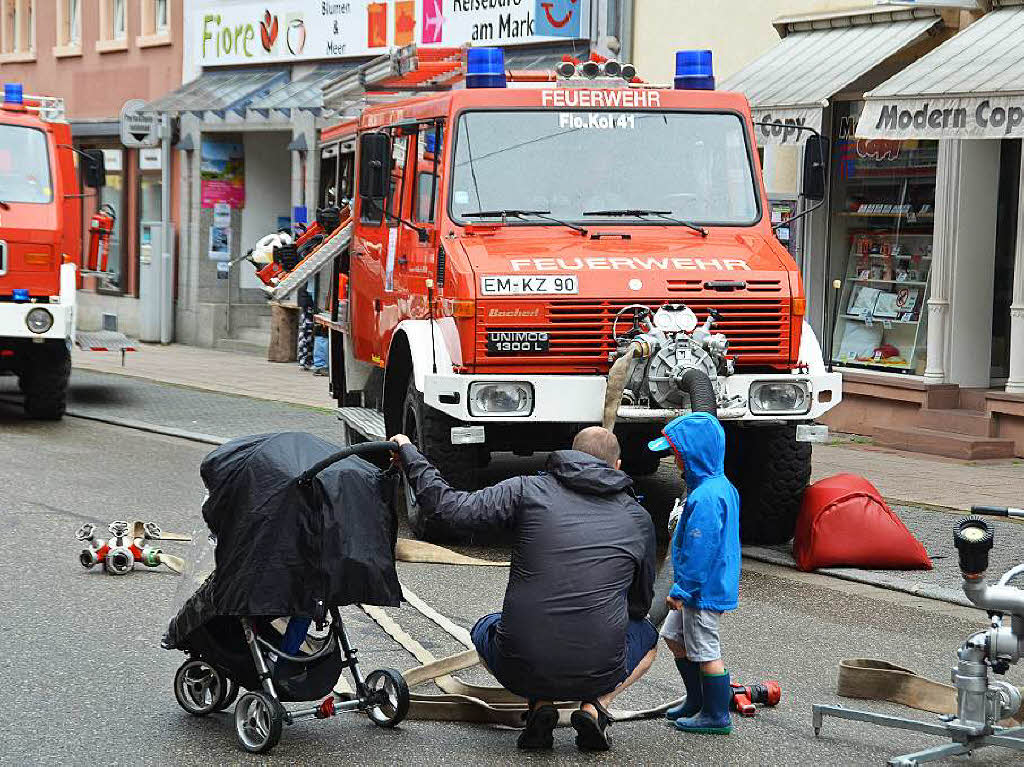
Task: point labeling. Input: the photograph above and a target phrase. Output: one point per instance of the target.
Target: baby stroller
(300, 528)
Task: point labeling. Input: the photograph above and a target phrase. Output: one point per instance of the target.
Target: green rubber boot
(713, 718)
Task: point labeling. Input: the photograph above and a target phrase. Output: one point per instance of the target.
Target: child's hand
(673, 603)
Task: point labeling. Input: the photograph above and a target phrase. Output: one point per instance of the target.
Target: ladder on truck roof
(394, 74)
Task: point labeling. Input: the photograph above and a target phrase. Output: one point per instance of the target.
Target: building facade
(919, 226)
(96, 55)
(251, 110)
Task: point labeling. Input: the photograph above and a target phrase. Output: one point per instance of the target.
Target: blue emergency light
(485, 68)
(20, 295)
(13, 94)
(694, 71)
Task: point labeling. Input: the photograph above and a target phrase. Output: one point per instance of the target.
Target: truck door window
(426, 181)
(24, 165)
(399, 151)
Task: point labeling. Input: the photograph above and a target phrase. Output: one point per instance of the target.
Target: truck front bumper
(13, 325)
(580, 399)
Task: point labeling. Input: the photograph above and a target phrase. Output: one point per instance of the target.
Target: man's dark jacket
(582, 566)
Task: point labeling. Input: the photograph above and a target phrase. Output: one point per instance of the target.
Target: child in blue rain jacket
(706, 564)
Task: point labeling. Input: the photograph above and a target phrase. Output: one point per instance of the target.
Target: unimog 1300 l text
(532, 253)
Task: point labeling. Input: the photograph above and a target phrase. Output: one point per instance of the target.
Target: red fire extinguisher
(101, 227)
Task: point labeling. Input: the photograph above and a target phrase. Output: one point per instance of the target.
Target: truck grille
(580, 332)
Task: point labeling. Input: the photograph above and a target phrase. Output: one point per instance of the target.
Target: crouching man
(573, 625)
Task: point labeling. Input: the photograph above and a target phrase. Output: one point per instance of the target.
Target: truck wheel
(771, 471)
(45, 381)
(637, 460)
(430, 431)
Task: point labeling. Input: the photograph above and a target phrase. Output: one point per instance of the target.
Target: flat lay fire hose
(871, 679)
(460, 701)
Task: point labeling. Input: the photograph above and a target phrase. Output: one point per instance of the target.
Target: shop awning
(221, 91)
(819, 57)
(971, 86)
(304, 92)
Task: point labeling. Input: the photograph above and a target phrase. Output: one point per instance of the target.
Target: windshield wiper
(5, 205)
(521, 215)
(643, 213)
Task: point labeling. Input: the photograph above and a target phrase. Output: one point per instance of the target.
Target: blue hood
(700, 440)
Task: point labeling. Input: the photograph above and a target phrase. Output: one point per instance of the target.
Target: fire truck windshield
(695, 167)
(24, 165)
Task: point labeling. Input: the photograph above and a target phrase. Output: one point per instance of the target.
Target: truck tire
(430, 431)
(45, 381)
(637, 460)
(771, 471)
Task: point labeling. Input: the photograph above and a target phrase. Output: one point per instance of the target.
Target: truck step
(103, 341)
(364, 421)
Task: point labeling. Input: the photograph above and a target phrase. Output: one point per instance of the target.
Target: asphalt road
(86, 680)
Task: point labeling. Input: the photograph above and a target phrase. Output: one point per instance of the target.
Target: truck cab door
(368, 251)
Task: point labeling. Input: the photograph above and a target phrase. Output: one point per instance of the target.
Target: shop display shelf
(882, 320)
(911, 283)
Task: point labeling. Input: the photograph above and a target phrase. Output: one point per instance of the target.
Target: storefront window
(113, 193)
(883, 212)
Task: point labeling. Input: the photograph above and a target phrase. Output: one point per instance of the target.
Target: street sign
(139, 129)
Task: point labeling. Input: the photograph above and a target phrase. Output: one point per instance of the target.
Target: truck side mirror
(374, 165)
(94, 170)
(816, 152)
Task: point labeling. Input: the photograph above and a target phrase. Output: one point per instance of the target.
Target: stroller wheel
(258, 720)
(198, 687)
(388, 697)
(230, 693)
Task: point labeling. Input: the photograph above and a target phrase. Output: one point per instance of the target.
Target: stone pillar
(947, 218)
(1015, 384)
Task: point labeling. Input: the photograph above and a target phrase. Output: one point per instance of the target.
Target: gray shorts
(695, 629)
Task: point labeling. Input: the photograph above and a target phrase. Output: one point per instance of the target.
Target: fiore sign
(295, 30)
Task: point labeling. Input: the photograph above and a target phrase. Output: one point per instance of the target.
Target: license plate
(468, 435)
(806, 432)
(517, 342)
(520, 285)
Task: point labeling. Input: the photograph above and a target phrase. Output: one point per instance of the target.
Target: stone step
(961, 421)
(254, 335)
(972, 399)
(944, 443)
(242, 346)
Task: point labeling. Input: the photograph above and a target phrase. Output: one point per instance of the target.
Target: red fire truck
(517, 234)
(41, 248)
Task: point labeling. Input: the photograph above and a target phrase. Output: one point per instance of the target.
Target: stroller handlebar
(361, 448)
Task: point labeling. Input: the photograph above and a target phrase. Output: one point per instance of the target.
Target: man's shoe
(591, 733)
(540, 726)
(713, 718)
(690, 672)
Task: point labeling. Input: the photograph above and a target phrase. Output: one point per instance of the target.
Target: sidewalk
(905, 477)
(211, 370)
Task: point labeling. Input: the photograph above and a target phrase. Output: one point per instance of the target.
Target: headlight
(39, 320)
(500, 398)
(792, 397)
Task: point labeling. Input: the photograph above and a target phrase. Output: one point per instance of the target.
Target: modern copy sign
(282, 31)
(969, 117)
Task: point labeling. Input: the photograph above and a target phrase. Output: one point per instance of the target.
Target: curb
(167, 431)
(937, 593)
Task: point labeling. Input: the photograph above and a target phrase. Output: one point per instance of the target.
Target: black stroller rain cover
(284, 549)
